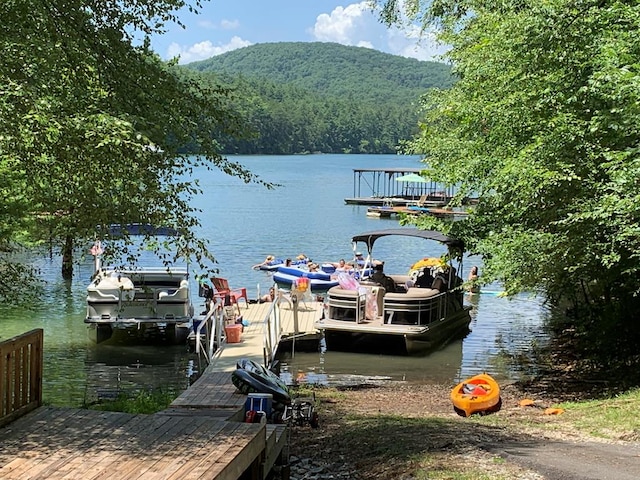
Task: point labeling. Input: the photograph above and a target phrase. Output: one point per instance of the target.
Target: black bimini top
(369, 238)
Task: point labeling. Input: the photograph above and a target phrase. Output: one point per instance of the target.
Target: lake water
(244, 223)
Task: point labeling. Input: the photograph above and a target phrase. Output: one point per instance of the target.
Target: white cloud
(204, 50)
(348, 25)
(357, 24)
(221, 25)
(206, 24)
(229, 24)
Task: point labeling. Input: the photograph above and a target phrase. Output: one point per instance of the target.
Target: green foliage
(543, 127)
(324, 97)
(93, 128)
(334, 70)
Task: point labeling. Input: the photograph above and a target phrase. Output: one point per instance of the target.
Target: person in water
(342, 266)
(266, 261)
(472, 281)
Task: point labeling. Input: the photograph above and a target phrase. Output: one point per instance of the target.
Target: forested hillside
(324, 97)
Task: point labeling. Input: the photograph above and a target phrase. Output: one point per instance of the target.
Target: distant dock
(381, 187)
(389, 212)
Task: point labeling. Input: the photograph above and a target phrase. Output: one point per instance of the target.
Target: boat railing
(273, 327)
(412, 310)
(347, 305)
(418, 307)
(146, 302)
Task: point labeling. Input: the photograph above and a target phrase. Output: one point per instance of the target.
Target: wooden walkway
(252, 344)
(201, 436)
(57, 443)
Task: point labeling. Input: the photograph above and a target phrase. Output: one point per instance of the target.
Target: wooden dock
(389, 211)
(252, 343)
(201, 436)
(58, 443)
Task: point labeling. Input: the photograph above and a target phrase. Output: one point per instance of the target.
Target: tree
(543, 127)
(95, 129)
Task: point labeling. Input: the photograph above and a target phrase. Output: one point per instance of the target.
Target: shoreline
(403, 431)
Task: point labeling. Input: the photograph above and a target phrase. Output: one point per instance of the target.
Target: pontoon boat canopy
(369, 238)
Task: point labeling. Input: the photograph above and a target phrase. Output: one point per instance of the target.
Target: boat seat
(400, 280)
(417, 292)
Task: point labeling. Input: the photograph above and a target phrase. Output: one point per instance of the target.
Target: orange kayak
(478, 394)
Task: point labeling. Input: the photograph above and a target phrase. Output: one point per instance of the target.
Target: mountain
(332, 69)
(323, 97)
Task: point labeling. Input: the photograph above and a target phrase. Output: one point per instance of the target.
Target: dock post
(296, 328)
(295, 301)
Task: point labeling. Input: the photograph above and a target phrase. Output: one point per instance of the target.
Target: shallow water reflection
(501, 330)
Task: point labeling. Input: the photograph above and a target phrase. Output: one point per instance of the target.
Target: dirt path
(378, 432)
(563, 460)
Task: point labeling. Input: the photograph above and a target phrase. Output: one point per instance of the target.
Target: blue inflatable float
(319, 282)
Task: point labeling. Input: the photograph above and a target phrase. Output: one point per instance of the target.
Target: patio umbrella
(411, 177)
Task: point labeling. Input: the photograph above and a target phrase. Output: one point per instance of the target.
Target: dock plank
(237, 450)
(96, 445)
(104, 466)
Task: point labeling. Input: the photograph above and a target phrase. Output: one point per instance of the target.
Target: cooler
(259, 402)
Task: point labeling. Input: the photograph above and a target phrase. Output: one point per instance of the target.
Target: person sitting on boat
(313, 267)
(287, 262)
(424, 279)
(267, 261)
(378, 276)
(441, 280)
(360, 262)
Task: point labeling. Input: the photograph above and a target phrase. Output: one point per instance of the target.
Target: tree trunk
(67, 258)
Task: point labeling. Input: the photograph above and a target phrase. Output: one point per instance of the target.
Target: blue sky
(225, 25)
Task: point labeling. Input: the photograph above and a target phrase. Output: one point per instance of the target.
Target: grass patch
(447, 467)
(138, 402)
(613, 418)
